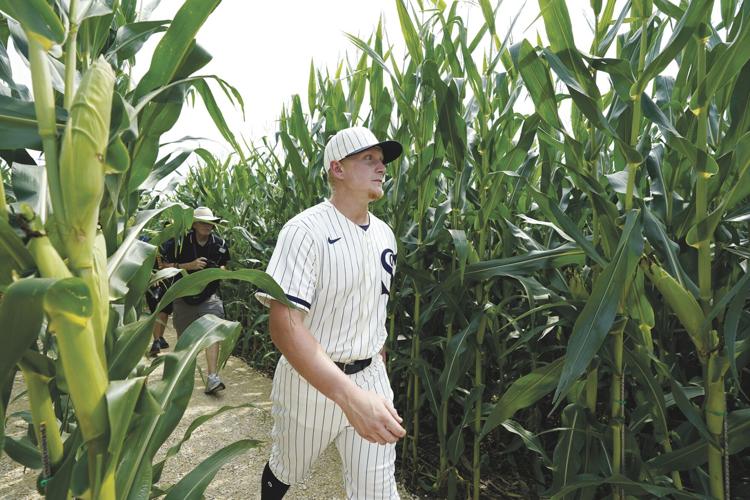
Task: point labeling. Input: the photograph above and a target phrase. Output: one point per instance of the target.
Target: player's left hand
(373, 417)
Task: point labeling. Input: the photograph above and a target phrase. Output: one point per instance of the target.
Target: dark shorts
(185, 313)
(153, 296)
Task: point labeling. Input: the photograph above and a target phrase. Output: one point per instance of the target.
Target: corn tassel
(82, 161)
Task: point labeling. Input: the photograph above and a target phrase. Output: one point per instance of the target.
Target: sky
(264, 49)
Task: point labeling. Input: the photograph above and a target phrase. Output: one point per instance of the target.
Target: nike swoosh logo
(333, 240)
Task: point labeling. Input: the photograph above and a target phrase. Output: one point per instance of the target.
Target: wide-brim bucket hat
(204, 214)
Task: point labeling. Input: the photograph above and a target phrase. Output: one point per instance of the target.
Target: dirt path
(237, 479)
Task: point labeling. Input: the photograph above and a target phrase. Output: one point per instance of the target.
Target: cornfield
(570, 313)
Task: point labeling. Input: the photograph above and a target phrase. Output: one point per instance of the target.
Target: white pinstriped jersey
(340, 273)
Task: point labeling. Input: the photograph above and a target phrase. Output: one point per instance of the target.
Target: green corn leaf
(177, 42)
(687, 408)
(131, 37)
(656, 234)
(598, 315)
(23, 451)
(552, 211)
(724, 68)
(530, 440)
(557, 21)
(14, 256)
(738, 190)
(523, 393)
(524, 264)
(588, 104)
(458, 357)
(122, 396)
(694, 454)
(638, 361)
(538, 82)
(566, 459)
(37, 19)
(695, 14)
(411, 37)
(731, 324)
(172, 394)
(197, 422)
(18, 125)
(631, 487)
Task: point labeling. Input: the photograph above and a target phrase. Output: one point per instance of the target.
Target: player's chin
(375, 194)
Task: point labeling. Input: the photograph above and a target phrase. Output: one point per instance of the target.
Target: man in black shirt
(200, 249)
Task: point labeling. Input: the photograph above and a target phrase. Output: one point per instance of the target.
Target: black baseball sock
(271, 487)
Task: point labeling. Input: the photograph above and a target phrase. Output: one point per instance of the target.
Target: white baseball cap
(354, 140)
(204, 214)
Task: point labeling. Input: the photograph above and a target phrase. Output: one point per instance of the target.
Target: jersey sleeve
(294, 266)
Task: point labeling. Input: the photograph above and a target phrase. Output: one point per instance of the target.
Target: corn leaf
(595, 321)
(524, 264)
(538, 82)
(14, 257)
(458, 357)
(197, 422)
(631, 487)
(523, 393)
(37, 18)
(724, 68)
(122, 396)
(694, 454)
(695, 14)
(131, 37)
(175, 45)
(411, 37)
(23, 451)
(557, 23)
(172, 394)
(566, 459)
(637, 360)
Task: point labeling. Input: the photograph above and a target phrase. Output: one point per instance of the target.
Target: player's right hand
(373, 417)
(197, 264)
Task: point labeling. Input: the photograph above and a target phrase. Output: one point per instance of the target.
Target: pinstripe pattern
(339, 273)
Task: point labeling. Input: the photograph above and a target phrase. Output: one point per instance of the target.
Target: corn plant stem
(618, 375)
(701, 190)
(618, 407)
(478, 373)
(478, 381)
(3, 205)
(715, 414)
(43, 412)
(443, 422)
(415, 395)
(70, 55)
(591, 389)
(44, 106)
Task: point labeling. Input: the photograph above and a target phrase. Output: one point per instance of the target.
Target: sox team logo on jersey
(388, 260)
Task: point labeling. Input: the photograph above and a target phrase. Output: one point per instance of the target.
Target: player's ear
(337, 170)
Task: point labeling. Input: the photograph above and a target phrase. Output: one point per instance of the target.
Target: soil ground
(239, 478)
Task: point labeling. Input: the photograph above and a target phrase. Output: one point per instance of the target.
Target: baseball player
(335, 263)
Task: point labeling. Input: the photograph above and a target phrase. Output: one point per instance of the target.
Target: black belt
(352, 367)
